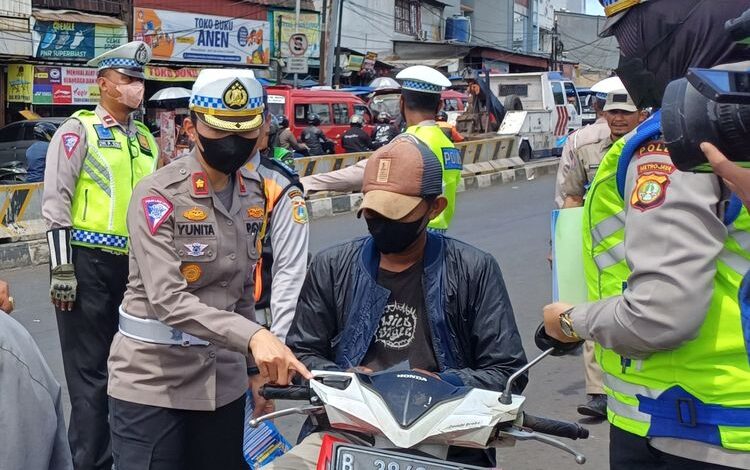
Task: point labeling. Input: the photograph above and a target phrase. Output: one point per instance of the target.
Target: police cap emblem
(141, 54)
(235, 96)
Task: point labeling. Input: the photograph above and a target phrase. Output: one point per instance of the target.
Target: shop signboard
(75, 41)
(166, 74)
(355, 62)
(198, 38)
(65, 85)
(20, 80)
(369, 62)
(309, 25)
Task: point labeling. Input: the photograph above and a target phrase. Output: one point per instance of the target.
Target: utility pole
(333, 13)
(278, 49)
(296, 30)
(553, 54)
(322, 48)
(337, 64)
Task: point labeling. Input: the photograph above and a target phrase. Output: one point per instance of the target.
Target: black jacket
(356, 140)
(473, 330)
(313, 137)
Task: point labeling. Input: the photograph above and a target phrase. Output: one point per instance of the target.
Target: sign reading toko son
(75, 41)
(199, 38)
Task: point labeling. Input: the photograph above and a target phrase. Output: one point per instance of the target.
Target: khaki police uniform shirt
(64, 161)
(191, 267)
(586, 135)
(673, 237)
(583, 166)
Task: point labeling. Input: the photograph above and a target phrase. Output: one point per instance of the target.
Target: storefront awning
(435, 62)
(73, 16)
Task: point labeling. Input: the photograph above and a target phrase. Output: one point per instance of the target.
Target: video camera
(710, 105)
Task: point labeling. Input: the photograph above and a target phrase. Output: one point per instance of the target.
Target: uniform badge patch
(452, 158)
(299, 211)
(195, 213)
(103, 133)
(200, 186)
(143, 142)
(243, 188)
(108, 144)
(294, 193)
(650, 191)
(70, 143)
(191, 272)
(656, 168)
(196, 249)
(157, 210)
(654, 147)
(235, 96)
(255, 212)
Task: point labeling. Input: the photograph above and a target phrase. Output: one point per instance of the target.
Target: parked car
(334, 108)
(18, 136)
(388, 101)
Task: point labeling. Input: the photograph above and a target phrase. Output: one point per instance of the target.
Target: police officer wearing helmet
(672, 344)
(355, 139)
(187, 331)
(93, 162)
(420, 101)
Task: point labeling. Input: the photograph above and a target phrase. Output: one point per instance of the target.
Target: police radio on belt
(710, 105)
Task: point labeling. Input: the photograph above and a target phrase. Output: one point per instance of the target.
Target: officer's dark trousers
(85, 336)
(155, 438)
(630, 452)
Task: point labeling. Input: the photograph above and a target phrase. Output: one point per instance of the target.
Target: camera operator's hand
(736, 177)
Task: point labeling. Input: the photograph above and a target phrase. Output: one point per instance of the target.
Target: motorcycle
(410, 418)
(12, 173)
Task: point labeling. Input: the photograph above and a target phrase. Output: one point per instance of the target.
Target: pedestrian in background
(448, 129)
(94, 160)
(188, 340)
(36, 154)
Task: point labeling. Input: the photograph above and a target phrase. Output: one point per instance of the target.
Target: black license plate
(351, 457)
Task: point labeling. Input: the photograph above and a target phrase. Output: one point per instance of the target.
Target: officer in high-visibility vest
(420, 101)
(674, 343)
(94, 160)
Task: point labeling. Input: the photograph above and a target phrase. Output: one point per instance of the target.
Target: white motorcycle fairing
(409, 408)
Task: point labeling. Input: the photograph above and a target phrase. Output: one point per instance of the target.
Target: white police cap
(228, 99)
(127, 59)
(423, 78)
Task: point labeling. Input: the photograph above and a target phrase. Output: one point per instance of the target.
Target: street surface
(509, 221)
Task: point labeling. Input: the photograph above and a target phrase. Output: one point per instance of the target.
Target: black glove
(544, 342)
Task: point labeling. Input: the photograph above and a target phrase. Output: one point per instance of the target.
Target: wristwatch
(566, 324)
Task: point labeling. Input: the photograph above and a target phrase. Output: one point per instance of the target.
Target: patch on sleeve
(143, 142)
(650, 191)
(294, 194)
(452, 158)
(299, 211)
(156, 209)
(70, 143)
(653, 148)
(656, 168)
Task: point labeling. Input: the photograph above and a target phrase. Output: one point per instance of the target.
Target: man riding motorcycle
(405, 295)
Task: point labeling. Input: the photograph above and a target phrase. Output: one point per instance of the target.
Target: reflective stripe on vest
(610, 257)
(607, 227)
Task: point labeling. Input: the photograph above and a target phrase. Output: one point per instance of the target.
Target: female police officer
(177, 367)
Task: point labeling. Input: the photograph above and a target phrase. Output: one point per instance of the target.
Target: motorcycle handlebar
(290, 392)
(555, 428)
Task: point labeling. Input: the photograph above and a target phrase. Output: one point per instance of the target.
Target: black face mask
(227, 154)
(392, 236)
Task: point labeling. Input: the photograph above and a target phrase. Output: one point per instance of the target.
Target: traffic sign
(298, 44)
(296, 65)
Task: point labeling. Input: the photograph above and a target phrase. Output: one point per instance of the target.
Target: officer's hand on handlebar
(736, 177)
(261, 406)
(275, 361)
(63, 286)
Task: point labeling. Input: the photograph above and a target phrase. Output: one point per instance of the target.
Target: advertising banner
(75, 41)
(20, 78)
(165, 74)
(309, 25)
(65, 85)
(194, 37)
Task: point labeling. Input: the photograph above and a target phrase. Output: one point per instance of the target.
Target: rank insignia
(196, 249)
(200, 186)
(70, 143)
(191, 272)
(157, 210)
(243, 189)
(109, 120)
(255, 212)
(196, 213)
(143, 142)
(650, 191)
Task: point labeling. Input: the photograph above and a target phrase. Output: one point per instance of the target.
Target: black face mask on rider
(659, 41)
(227, 154)
(392, 236)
